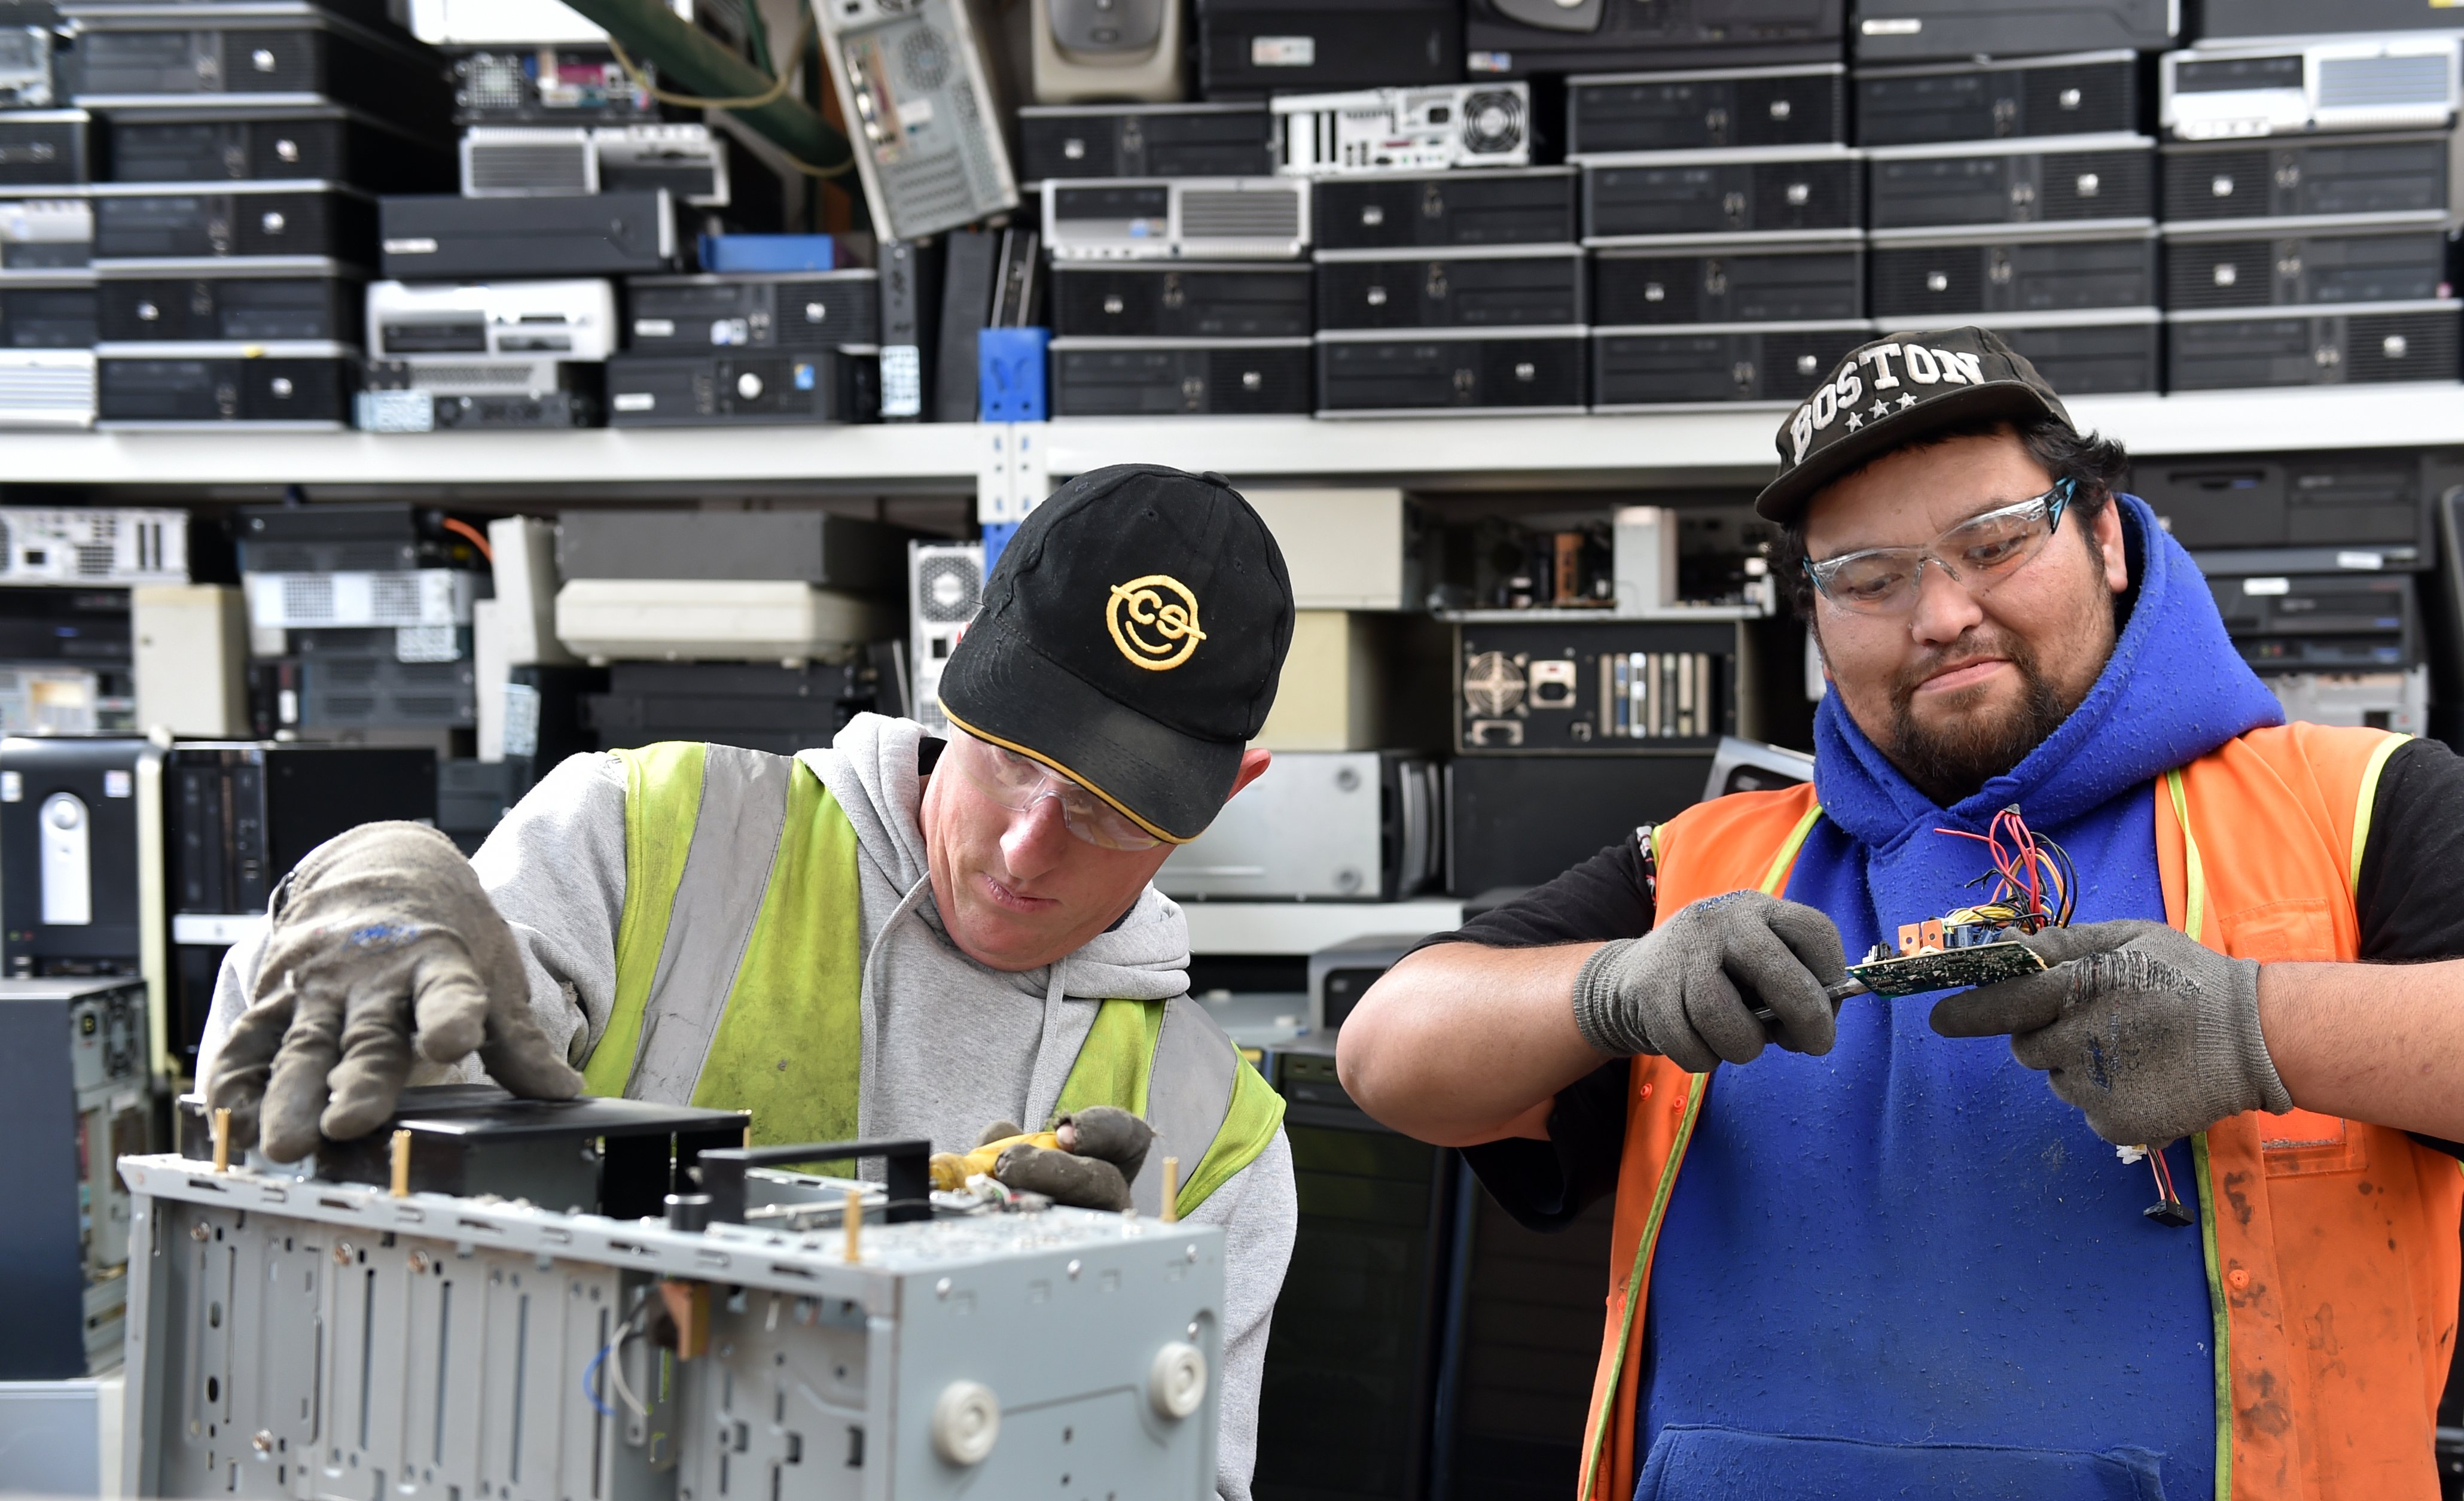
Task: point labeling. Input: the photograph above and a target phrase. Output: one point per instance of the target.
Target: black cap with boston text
(1891, 393)
(1130, 639)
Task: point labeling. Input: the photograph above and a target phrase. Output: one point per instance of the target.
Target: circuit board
(1948, 969)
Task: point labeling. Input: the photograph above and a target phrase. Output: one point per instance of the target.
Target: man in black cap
(1886, 1259)
(900, 936)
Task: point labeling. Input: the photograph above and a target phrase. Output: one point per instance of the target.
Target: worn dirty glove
(383, 950)
(2150, 1033)
(1095, 1154)
(1690, 987)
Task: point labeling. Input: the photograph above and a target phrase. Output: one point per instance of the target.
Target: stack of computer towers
(47, 300)
(2011, 183)
(2308, 204)
(1180, 282)
(760, 628)
(360, 621)
(67, 653)
(778, 333)
(2317, 563)
(1725, 211)
(232, 238)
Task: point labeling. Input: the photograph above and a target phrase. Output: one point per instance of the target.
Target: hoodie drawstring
(866, 991)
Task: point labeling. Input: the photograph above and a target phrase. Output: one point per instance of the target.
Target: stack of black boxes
(2308, 205)
(237, 225)
(2010, 183)
(47, 300)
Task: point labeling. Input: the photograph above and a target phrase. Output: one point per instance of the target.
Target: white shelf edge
(1604, 449)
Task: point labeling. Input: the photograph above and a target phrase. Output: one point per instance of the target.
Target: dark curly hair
(2096, 465)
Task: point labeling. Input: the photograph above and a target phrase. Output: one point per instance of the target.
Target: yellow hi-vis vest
(740, 972)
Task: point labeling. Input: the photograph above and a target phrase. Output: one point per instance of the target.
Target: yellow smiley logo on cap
(1153, 620)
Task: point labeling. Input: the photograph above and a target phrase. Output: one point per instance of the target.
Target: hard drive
(1731, 281)
(1185, 299)
(188, 389)
(922, 119)
(278, 52)
(43, 147)
(1535, 206)
(1531, 371)
(46, 389)
(1145, 140)
(319, 142)
(2228, 91)
(811, 310)
(1246, 218)
(308, 225)
(1701, 111)
(2077, 93)
(2359, 344)
(2105, 180)
(1498, 287)
(1404, 130)
(2295, 513)
(1720, 364)
(54, 316)
(1573, 685)
(1164, 377)
(2103, 351)
(220, 308)
(442, 237)
(43, 236)
(2316, 268)
(2381, 179)
(750, 389)
(1530, 37)
(1800, 190)
(1933, 282)
(1885, 31)
(1248, 49)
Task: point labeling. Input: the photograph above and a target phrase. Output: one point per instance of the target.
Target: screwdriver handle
(1835, 994)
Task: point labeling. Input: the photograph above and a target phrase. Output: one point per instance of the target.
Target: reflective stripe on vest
(739, 970)
(2333, 1338)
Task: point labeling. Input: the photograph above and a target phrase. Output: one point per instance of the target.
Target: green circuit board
(1950, 969)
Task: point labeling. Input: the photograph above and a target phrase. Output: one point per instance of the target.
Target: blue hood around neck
(2174, 689)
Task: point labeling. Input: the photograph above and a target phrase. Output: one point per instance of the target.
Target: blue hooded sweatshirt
(1905, 1269)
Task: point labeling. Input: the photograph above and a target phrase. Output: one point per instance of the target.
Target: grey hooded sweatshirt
(949, 1045)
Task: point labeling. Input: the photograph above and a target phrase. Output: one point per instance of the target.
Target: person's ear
(1253, 766)
(2106, 529)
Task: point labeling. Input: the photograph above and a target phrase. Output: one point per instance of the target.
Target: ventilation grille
(948, 587)
(2382, 83)
(1214, 214)
(560, 168)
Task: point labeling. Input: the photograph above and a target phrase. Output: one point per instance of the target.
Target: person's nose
(1944, 611)
(1037, 838)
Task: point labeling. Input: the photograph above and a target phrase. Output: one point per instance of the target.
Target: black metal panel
(2380, 174)
(245, 309)
(1662, 113)
(2092, 359)
(1250, 48)
(212, 225)
(1437, 374)
(1737, 284)
(2407, 266)
(1535, 38)
(2013, 187)
(1199, 140)
(1154, 381)
(2052, 98)
(1922, 284)
(1183, 301)
(1529, 207)
(2316, 349)
(224, 391)
(1916, 30)
(1684, 365)
(1723, 197)
(1481, 292)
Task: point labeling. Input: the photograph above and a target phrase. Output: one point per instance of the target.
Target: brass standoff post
(1171, 1190)
(221, 1138)
(401, 1165)
(854, 1221)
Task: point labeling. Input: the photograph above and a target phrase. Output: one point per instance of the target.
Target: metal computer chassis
(296, 1339)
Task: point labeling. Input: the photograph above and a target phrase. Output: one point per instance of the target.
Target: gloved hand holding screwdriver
(1692, 986)
(384, 951)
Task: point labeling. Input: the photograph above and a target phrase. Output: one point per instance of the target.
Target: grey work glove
(2150, 1033)
(383, 948)
(1102, 1148)
(1688, 989)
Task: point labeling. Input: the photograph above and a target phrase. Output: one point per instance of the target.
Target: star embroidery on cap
(1882, 409)
(1906, 401)
(1856, 420)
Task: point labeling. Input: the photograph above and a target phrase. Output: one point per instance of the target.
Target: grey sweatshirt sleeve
(554, 867)
(1259, 1210)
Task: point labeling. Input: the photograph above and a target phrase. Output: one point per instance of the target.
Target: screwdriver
(1835, 994)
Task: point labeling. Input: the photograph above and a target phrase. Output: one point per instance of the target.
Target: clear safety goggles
(1017, 783)
(1978, 554)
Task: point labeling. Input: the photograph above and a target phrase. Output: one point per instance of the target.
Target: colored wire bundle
(2035, 877)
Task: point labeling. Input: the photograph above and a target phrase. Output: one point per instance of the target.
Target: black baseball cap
(1130, 639)
(1891, 393)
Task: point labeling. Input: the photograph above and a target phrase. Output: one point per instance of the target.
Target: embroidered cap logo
(1153, 620)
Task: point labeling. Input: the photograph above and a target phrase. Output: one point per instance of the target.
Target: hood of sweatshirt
(870, 768)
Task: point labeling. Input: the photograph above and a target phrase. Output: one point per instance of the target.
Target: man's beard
(1951, 761)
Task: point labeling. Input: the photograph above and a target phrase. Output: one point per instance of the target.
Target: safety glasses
(1016, 783)
(1977, 554)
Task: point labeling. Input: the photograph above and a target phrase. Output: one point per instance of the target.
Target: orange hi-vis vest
(2331, 1244)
